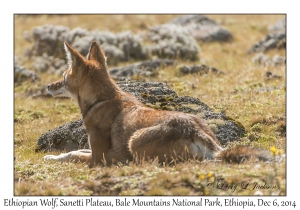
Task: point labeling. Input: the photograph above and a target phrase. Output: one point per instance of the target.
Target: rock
(156, 95)
(164, 41)
(278, 60)
(122, 46)
(177, 38)
(269, 75)
(21, 74)
(280, 25)
(40, 92)
(199, 69)
(172, 42)
(265, 60)
(41, 64)
(268, 89)
(276, 38)
(49, 39)
(262, 59)
(49, 64)
(203, 28)
(70, 136)
(150, 67)
(271, 41)
(145, 68)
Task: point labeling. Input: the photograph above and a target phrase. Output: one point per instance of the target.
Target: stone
(276, 38)
(172, 42)
(199, 69)
(21, 74)
(144, 68)
(203, 28)
(262, 59)
(49, 39)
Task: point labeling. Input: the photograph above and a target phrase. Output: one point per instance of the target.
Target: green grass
(263, 114)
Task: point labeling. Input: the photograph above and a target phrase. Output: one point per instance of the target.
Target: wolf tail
(240, 154)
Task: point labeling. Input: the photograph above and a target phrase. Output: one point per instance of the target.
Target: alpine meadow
(227, 70)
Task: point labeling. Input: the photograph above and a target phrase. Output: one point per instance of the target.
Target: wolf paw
(50, 157)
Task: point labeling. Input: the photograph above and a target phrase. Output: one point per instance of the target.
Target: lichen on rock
(21, 74)
(203, 28)
(172, 42)
(199, 69)
(144, 68)
(276, 38)
(265, 60)
(49, 39)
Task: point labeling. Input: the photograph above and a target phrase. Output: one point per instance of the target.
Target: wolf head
(79, 78)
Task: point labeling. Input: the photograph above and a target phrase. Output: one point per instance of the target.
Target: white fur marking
(73, 155)
(68, 55)
(89, 141)
(61, 157)
(200, 150)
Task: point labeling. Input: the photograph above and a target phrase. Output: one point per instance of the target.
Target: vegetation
(240, 93)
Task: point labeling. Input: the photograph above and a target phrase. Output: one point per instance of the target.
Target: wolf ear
(73, 56)
(96, 53)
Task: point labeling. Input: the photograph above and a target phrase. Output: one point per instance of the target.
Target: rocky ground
(176, 39)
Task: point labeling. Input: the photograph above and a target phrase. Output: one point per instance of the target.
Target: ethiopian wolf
(120, 127)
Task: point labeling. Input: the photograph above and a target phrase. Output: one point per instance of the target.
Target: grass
(263, 114)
